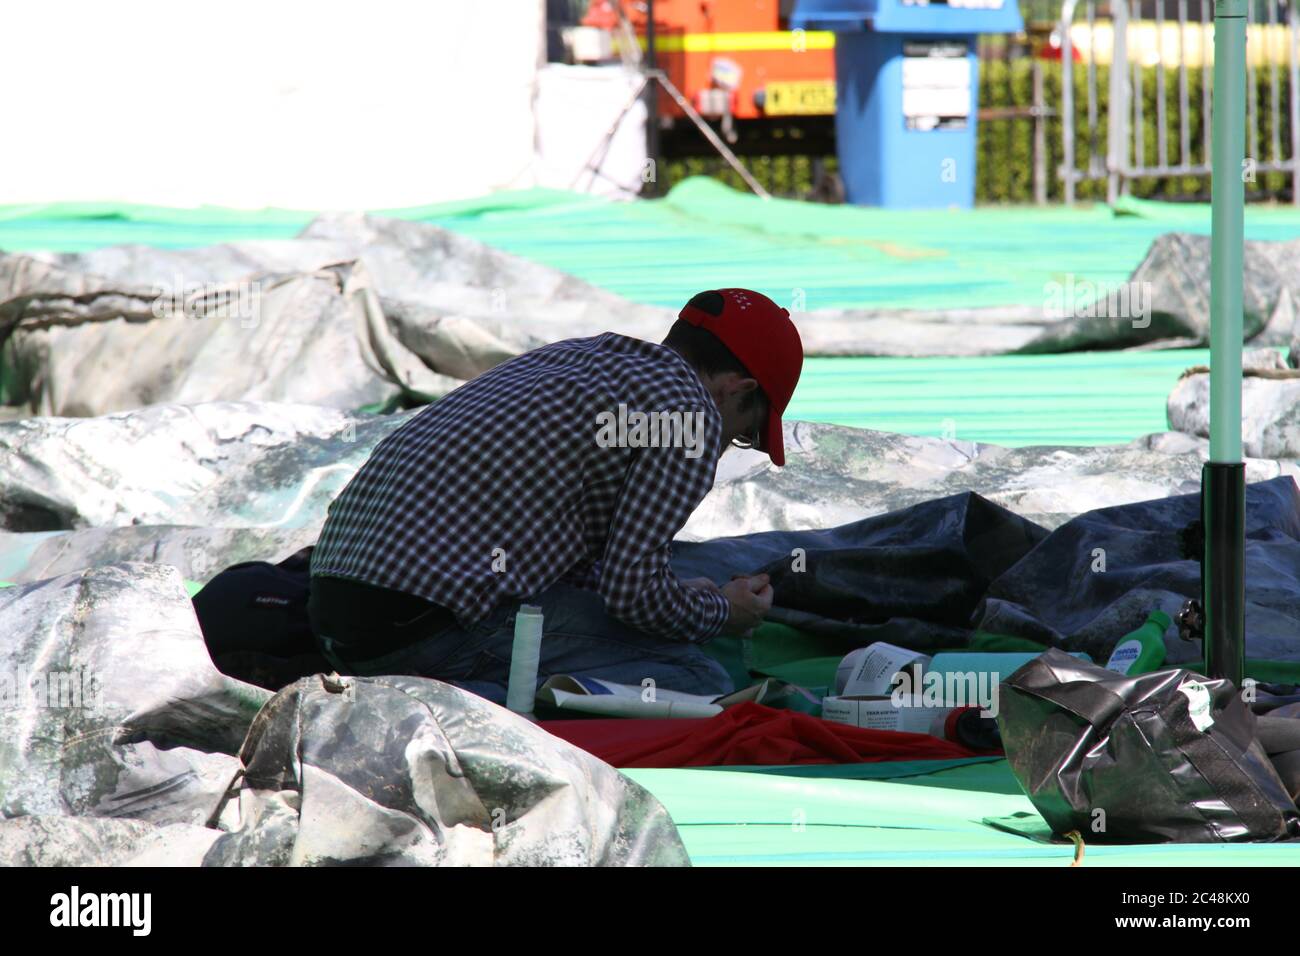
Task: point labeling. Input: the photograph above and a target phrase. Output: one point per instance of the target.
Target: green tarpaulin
(730, 817)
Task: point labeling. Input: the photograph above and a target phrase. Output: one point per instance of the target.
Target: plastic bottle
(524, 658)
(1142, 651)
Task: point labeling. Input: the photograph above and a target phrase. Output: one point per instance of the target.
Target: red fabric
(747, 734)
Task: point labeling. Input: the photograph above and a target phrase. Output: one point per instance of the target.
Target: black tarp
(926, 576)
(1056, 597)
(911, 577)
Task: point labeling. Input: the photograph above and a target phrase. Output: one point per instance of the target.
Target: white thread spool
(524, 658)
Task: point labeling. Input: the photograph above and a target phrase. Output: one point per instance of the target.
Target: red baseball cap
(760, 334)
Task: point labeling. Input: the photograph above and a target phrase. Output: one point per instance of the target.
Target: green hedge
(779, 175)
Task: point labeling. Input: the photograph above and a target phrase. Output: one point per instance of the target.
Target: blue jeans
(578, 638)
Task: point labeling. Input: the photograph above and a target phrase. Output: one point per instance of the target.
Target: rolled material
(524, 658)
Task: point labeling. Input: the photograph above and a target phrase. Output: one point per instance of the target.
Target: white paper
(593, 696)
(611, 705)
(869, 671)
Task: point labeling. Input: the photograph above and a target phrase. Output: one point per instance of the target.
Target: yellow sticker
(799, 98)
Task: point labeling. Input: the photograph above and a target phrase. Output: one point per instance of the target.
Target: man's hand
(750, 600)
(700, 584)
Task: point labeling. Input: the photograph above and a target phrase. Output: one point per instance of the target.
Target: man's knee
(695, 673)
(715, 676)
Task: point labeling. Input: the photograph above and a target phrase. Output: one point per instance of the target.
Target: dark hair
(705, 351)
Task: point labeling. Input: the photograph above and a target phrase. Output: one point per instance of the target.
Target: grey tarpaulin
(1172, 287)
(112, 706)
(1270, 409)
(238, 464)
(199, 487)
(317, 337)
(361, 311)
(121, 743)
(401, 770)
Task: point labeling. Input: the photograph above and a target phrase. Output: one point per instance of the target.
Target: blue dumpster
(907, 95)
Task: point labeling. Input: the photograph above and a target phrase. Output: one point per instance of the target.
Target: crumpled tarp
(1270, 408)
(286, 320)
(362, 311)
(121, 743)
(1172, 284)
(407, 771)
(911, 577)
(238, 464)
(81, 346)
(113, 708)
(928, 575)
(1098, 576)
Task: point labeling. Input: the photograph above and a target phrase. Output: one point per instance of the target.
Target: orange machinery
(735, 60)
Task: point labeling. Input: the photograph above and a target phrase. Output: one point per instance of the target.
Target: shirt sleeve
(585, 576)
(662, 488)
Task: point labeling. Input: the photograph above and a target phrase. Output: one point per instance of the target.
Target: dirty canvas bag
(1170, 756)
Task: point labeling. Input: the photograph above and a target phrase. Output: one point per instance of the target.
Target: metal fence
(1123, 38)
(1007, 105)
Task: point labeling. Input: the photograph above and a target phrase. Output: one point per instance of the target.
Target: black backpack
(254, 621)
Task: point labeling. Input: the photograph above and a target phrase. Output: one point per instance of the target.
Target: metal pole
(652, 99)
(1117, 146)
(1293, 21)
(1040, 136)
(1067, 100)
(1223, 478)
(708, 133)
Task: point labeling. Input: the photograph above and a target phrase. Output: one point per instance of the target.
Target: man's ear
(744, 386)
(724, 385)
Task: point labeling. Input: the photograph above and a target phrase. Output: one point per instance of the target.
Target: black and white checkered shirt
(509, 484)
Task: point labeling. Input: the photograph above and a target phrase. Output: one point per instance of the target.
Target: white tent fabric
(577, 107)
(302, 104)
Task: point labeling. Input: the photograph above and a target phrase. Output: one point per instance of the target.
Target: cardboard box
(882, 713)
